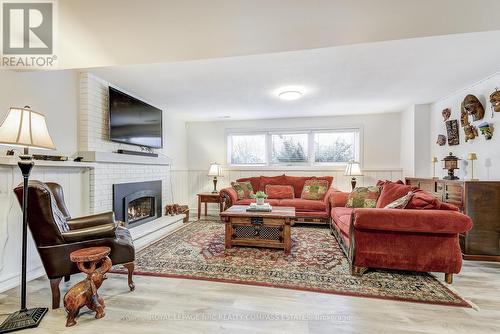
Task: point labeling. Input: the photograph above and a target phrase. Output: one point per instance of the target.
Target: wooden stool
(84, 293)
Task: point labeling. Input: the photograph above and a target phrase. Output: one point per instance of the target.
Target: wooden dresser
(480, 200)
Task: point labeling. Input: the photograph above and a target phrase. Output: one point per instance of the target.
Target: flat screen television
(132, 121)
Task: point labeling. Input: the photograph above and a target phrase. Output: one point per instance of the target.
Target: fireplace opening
(140, 208)
(137, 203)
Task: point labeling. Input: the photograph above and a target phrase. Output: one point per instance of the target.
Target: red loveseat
(424, 238)
(306, 210)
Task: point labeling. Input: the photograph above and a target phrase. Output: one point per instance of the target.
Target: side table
(84, 293)
(208, 198)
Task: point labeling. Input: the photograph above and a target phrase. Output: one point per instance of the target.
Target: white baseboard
(15, 280)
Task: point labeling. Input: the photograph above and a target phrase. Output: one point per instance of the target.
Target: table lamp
(353, 169)
(25, 128)
(472, 157)
(215, 171)
(434, 162)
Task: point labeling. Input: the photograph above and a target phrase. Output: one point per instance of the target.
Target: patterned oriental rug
(316, 263)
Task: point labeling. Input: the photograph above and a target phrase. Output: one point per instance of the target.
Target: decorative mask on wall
(446, 114)
(452, 131)
(470, 132)
(441, 141)
(473, 107)
(486, 130)
(495, 100)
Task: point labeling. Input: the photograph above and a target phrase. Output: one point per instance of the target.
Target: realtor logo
(27, 33)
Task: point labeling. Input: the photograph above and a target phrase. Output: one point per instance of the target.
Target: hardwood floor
(190, 306)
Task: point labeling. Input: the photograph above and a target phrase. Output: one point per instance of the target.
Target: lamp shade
(353, 169)
(215, 170)
(472, 156)
(27, 128)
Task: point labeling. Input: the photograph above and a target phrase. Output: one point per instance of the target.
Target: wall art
(452, 131)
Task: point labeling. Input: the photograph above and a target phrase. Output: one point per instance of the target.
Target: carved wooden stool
(84, 293)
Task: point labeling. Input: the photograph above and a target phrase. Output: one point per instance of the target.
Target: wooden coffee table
(259, 229)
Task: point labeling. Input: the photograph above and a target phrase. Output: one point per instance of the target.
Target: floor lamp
(25, 128)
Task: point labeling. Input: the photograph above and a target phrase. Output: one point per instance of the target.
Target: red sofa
(306, 210)
(424, 238)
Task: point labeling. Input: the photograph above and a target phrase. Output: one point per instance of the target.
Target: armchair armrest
(338, 198)
(91, 221)
(228, 196)
(407, 220)
(94, 232)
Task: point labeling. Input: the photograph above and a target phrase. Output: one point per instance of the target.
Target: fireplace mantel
(111, 157)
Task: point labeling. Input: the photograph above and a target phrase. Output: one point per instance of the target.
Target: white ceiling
(355, 79)
(93, 33)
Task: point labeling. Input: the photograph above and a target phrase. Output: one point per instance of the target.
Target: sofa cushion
(314, 189)
(247, 201)
(255, 181)
(297, 182)
(304, 204)
(279, 191)
(363, 197)
(275, 180)
(342, 218)
(392, 191)
(243, 189)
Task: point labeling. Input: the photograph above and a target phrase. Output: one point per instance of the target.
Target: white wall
(54, 94)
(487, 167)
(380, 137)
(408, 141)
(415, 147)
(380, 154)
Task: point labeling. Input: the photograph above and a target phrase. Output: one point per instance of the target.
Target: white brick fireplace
(110, 167)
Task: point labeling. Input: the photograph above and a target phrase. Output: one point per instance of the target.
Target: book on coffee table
(260, 208)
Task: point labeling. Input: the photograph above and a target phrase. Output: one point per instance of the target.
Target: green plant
(260, 194)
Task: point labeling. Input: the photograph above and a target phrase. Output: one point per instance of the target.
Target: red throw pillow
(391, 191)
(279, 192)
(422, 200)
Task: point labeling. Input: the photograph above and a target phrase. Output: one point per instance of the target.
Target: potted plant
(260, 197)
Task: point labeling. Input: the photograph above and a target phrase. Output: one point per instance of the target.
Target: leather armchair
(56, 234)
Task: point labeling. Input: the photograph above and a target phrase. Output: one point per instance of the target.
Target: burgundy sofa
(424, 238)
(306, 210)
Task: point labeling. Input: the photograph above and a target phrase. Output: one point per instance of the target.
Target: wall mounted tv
(134, 122)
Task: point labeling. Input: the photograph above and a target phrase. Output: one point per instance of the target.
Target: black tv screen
(134, 122)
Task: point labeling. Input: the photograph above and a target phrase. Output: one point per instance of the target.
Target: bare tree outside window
(334, 147)
(248, 149)
(290, 148)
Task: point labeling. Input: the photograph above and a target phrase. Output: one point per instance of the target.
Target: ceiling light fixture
(289, 95)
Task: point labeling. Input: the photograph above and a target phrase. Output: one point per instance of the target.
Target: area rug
(316, 263)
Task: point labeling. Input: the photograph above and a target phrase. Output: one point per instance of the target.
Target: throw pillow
(363, 197)
(314, 189)
(279, 192)
(401, 202)
(392, 191)
(243, 189)
(423, 200)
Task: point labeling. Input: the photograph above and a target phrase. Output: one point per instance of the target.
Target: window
(247, 149)
(307, 147)
(336, 146)
(289, 148)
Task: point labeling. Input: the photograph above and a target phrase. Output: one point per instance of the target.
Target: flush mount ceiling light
(289, 95)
